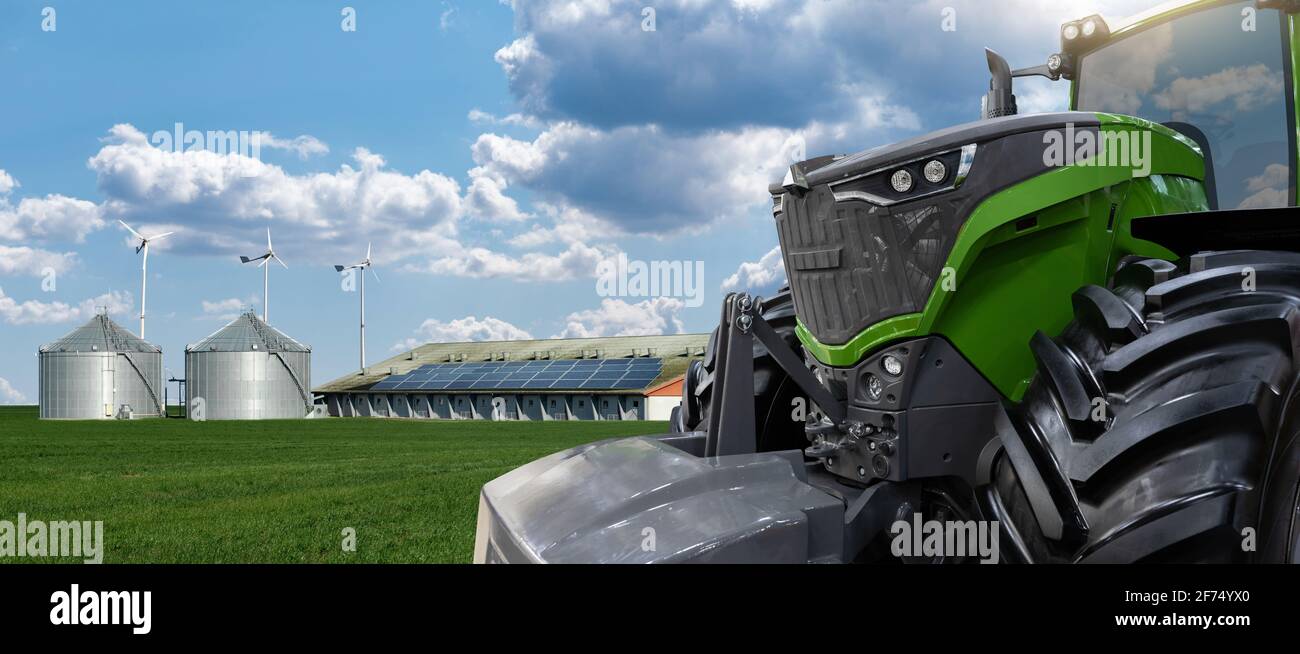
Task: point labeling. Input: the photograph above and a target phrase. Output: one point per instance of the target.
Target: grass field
(173, 491)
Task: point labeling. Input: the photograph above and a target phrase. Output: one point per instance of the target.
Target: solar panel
(559, 374)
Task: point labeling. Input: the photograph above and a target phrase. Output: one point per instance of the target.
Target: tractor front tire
(1162, 424)
(774, 391)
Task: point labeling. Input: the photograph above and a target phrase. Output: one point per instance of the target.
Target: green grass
(173, 491)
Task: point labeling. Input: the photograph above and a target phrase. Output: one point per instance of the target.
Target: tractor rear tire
(774, 391)
(1162, 425)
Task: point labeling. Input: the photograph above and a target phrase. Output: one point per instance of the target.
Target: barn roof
(674, 351)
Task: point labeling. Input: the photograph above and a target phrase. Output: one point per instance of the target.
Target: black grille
(852, 264)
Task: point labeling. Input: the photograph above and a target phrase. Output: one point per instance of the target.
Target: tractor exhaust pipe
(999, 101)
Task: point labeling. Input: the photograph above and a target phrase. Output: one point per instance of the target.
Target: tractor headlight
(1054, 63)
(896, 182)
(935, 171)
(901, 181)
(892, 365)
(874, 387)
(1080, 36)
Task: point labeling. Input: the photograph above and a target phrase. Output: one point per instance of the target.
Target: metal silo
(96, 370)
(248, 370)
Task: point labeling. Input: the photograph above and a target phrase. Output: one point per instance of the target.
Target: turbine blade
(268, 240)
(367, 251)
(162, 235)
(280, 261)
(128, 228)
(372, 271)
(263, 260)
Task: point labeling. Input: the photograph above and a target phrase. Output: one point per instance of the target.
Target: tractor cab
(1219, 72)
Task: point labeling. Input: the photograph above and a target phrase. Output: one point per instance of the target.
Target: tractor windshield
(1218, 71)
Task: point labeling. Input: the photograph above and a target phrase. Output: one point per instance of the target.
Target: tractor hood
(642, 500)
(859, 251)
(980, 131)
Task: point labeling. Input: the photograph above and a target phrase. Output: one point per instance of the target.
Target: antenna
(144, 266)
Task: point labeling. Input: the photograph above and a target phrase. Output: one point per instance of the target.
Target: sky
(496, 156)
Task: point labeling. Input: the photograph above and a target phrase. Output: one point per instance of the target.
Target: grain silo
(248, 370)
(98, 371)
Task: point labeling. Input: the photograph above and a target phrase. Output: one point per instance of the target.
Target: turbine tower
(362, 266)
(266, 275)
(144, 264)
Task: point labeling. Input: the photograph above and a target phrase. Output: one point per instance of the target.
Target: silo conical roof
(248, 333)
(101, 334)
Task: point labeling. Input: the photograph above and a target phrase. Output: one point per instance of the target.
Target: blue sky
(494, 153)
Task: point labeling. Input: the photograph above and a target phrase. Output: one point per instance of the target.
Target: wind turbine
(362, 266)
(144, 264)
(266, 274)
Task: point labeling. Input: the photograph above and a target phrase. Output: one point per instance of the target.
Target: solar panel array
(567, 374)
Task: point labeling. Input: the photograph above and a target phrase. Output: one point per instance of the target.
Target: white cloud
(223, 202)
(520, 53)
(486, 198)
(1274, 176)
(618, 318)
(568, 225)
(446, 17)
(35, 312)
(1268, 189)
(577, 261)
(9, 394)
(786, 63)
(649, 180)
(1243, 88)
(51, 218)
(481, 117)
(766, 273)
(227, 309)
(35, 262)
(304, 146)
(469, 328)
(1040, 96)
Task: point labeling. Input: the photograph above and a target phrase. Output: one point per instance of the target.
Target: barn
(606, 378)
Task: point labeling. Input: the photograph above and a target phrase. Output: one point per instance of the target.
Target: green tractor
(1063, 337)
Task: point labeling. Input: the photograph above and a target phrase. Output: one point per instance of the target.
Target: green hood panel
(1023, 251)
